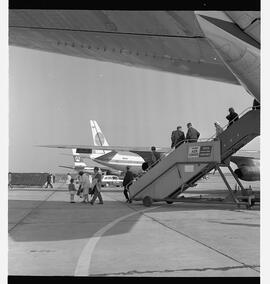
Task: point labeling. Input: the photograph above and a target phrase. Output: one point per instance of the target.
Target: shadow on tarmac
(33, 221)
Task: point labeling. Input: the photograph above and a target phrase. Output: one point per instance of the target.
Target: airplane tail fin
(99, 139)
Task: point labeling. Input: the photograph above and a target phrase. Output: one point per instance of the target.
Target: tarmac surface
(49, 236)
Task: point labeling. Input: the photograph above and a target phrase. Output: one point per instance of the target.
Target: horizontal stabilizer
(67, 167)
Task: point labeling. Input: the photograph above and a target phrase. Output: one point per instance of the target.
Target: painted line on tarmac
(83, 264)
(31, 210)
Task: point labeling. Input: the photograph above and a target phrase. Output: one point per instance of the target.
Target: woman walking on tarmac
(85, 185)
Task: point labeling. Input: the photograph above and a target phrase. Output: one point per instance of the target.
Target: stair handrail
(236, 118)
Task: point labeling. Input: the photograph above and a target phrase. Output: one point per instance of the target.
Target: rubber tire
(147, 201)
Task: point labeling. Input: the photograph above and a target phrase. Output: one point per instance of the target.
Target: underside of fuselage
(135, 168)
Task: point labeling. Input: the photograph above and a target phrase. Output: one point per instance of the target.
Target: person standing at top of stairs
(192, 133)
(177, 136)
(232, 116)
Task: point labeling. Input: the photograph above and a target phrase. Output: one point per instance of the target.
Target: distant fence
(27, 179)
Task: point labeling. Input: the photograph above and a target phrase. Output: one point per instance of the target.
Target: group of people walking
(93, 188)
(86, 187)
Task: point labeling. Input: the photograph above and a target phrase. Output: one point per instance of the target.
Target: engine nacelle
(248, 173)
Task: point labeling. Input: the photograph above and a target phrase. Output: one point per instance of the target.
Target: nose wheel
(147, 201)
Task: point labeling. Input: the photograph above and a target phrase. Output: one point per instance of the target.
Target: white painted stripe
(83, 264)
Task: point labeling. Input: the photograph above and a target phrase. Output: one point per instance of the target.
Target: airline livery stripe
(122, 162)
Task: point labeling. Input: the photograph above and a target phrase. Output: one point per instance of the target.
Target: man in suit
(232, 116)
(177, 137)
(192, 133)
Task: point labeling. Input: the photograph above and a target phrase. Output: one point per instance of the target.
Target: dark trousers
(126, 192)
(48, 184)
(97, 194)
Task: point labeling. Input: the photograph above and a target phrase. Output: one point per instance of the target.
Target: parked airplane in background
(115, 159)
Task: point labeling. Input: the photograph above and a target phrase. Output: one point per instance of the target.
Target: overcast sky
(52, 97)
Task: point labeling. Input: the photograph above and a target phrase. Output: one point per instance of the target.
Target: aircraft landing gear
(147, 201)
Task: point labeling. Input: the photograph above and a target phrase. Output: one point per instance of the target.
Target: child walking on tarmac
(72, 190)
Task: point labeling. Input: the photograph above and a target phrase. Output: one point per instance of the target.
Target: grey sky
(52, 97)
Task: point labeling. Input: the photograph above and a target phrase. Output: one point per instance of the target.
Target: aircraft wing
(243, 161)
(169, 41)
(252, 154)
(144, 152)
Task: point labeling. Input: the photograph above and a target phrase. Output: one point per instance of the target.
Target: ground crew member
(49, 181)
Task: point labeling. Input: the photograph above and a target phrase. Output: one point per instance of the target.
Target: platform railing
(239, 116)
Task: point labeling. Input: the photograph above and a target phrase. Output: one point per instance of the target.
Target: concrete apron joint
(132, 272)
(244, 265)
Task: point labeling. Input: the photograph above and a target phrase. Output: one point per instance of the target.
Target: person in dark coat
(128, 178)
(49, 181)
(192, 133)
(177, 137)
(232, 116)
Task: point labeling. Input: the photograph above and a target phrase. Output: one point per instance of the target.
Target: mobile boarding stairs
(181, 168)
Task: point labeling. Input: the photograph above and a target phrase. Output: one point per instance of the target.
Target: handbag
(79, 190)
(91, 190)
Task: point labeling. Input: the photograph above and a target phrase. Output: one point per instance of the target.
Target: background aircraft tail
(79, 164)
(78, 161)
(99, 140)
